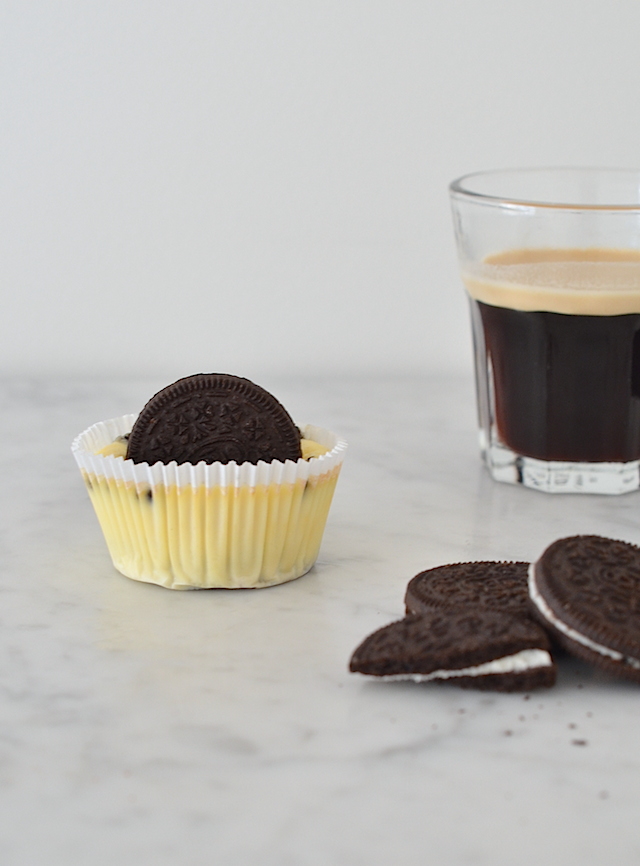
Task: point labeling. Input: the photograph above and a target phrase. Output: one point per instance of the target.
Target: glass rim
(460, 188)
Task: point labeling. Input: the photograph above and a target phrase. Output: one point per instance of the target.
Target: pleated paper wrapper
(209, 525)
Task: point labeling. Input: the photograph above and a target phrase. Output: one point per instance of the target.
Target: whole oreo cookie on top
(213, 417)
(586, 590)
(486, 585)
(483, 649)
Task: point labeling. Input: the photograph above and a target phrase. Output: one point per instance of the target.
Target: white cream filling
(521, 661)
(550, 616)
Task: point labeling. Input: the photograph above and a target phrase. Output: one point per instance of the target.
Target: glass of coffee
(551, 262)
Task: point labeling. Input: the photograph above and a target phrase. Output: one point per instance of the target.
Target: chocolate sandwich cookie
(213, 417)
(586, 590)
(481, 649)
(486, 585)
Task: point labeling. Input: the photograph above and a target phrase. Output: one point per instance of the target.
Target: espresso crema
(588, 282)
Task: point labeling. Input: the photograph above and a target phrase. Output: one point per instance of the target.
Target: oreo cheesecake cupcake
(211, 485)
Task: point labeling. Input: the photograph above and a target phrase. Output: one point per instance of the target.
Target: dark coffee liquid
(567, 387)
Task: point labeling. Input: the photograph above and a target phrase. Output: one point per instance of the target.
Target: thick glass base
(553, 476)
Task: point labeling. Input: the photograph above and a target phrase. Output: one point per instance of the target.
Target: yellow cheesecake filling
(186, 537)
(188, 527)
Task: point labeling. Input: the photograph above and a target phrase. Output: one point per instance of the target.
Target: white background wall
(260, 186)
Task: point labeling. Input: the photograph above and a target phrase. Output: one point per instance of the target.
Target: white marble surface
(144, 726)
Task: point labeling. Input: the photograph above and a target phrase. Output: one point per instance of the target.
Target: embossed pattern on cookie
(213, 417)
(482, 650)
(586, 590)
(487, 585)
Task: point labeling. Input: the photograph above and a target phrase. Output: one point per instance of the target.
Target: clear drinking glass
(551, 262)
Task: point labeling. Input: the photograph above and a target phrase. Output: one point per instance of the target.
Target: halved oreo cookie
(213, 417)
(586, 590)
(486, 585)
(487, 650)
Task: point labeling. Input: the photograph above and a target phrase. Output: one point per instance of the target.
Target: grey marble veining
(144, 726)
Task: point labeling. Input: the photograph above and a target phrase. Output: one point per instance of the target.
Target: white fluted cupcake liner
(209, 525)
